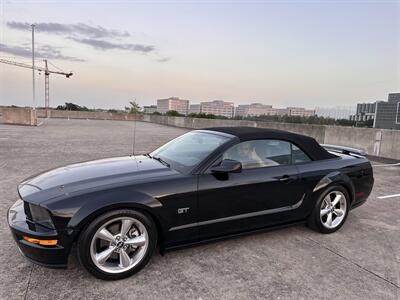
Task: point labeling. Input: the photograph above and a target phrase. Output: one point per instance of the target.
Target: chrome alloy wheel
(333, 209)
(119, 245)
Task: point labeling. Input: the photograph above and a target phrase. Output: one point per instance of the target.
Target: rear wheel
(117, 244)
(331, 210)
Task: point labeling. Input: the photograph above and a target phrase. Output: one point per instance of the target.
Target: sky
(283, 53)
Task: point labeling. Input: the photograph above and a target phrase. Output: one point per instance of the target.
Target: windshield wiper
(148, 155)
(161, 160)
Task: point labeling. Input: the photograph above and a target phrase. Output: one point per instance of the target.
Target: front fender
(106, 200)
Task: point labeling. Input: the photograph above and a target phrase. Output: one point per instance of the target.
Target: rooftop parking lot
(360, 261)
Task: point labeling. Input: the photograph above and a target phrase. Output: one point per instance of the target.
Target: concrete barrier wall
(316, 131)
(94, 115)
(19, 116)
(361, 138)
(377, 142)
(390, 145)
(383, 143)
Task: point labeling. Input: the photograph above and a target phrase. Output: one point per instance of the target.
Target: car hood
(90, 175)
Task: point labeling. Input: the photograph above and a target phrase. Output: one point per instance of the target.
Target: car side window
(298, 156)
(260, 153)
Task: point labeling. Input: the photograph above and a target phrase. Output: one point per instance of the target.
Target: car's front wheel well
(83, 224)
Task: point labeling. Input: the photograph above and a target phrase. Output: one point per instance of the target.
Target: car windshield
(188, 150)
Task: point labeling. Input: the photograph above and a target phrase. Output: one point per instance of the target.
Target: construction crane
(46, 71)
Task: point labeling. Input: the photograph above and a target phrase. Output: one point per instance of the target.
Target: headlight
(41, 216)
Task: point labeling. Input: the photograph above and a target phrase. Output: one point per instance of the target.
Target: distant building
(194, 109)
(337, 112)
(149, 109)
(387, 114)
(258, 109)
(242, 110)
(254, 109)
(301, 112)
(364, 112)
(218, 108)
(173, 103)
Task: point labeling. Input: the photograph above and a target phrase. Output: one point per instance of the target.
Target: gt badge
(183, 210)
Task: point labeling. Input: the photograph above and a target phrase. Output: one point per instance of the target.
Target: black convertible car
(201, 186)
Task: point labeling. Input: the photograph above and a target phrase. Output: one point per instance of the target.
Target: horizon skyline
(351, 106)
(230, 51)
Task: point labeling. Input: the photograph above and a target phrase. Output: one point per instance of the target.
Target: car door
(260, 195)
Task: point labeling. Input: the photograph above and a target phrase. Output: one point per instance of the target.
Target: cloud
(97, 37)
(105, 45)
(46, 51)
(70, 29)
(162, 59)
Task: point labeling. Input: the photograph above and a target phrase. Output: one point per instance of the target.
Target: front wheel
(331, 210)
(117, 244)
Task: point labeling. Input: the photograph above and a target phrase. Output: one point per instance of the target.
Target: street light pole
(33, 66)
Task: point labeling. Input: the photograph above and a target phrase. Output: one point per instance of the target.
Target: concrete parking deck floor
(361, 261)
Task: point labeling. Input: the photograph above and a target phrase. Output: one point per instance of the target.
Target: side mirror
(227, 166)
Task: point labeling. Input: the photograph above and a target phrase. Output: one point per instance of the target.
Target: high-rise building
(387, 114)
(218, 108)
(364, 112)
(173, 103)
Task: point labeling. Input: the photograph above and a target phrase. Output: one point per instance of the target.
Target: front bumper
(49, 256)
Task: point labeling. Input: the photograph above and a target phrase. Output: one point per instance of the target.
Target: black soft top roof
(308, 144)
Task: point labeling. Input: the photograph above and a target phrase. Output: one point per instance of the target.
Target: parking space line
(389, 196)
(387, 165)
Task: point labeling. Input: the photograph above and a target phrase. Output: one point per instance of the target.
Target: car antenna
(134, 137)
(134, 134)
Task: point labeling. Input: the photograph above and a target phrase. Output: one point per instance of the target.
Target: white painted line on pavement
(387, 165)
(389, 196)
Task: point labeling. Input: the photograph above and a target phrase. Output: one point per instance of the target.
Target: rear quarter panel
(354, 173)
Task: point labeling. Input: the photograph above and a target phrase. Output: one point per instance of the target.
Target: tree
(134, 108)
(345, 122)
(72, 106)
(173, 113)
(205, 116)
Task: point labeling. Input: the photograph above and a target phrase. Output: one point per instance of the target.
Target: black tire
(85, 239)
(314, 220)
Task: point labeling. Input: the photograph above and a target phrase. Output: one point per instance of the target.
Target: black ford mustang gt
(201, 186)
